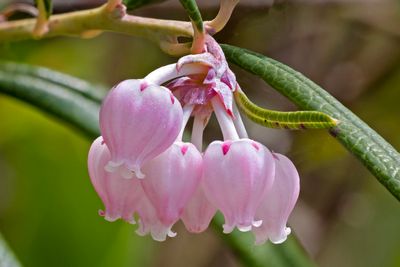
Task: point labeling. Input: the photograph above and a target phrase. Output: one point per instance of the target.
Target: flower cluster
(141, 168)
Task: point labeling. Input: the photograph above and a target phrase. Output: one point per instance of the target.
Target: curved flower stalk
(142, 123)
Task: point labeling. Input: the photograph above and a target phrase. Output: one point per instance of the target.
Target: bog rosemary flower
(142, 123)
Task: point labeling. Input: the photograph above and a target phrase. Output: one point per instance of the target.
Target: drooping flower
(138, 121)
(149, 222)
(237, 175)
(198, 212)
(171, 179)
(142, 124)
(278, 203)
(119, 195)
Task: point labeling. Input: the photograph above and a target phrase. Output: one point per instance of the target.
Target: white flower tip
(141, 231)
(139, 174)
(227, 228)
(161, 234)
(244, 228)
(111, 218)
(171, 233)
(282, 237)
(257, 223)
(288, 230)
(130, 220)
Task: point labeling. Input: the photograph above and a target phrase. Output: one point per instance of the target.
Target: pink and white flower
(138, 121)
(142, 123)
(237, 175)
(278, 203)
(120, 196)
(171, 179)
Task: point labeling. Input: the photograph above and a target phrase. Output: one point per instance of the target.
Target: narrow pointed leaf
(95, 93)
(295, 120)
(369, 147)
(53, 98)
(194, 13)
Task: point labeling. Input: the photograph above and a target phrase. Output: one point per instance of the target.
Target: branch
(78, 22)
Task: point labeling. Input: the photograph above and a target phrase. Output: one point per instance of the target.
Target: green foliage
(53, 95)
(133, 4)
(48, 6)
(284, 120)
(290, 253)
(194, 13)
(362, 141)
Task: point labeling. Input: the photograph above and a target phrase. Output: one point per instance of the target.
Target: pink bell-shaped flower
(171, 179)
(278, 203)
(138, 121)
(119, 195)
(236, 176)
(149, 222)
(198, 212)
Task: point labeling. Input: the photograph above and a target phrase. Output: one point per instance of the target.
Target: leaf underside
(294, 120)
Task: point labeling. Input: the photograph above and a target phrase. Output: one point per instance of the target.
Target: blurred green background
(48, 208)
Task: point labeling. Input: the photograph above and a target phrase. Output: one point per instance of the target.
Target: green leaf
(194, 13)
(54, 98)
(295, 120)
(67, 103)
(48, 6)
(290, 253)
(95, 93)
(370, 148)
(134, 4)
(7, 258)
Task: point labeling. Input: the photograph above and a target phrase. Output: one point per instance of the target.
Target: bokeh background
(48, 208)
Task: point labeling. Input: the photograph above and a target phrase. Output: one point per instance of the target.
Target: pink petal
(171, 179)
(198, 212)
(149, 222)
(236, 177)
(225, 94)
(204, 58)
(278, 203)
(120, 196)
(138, 122)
